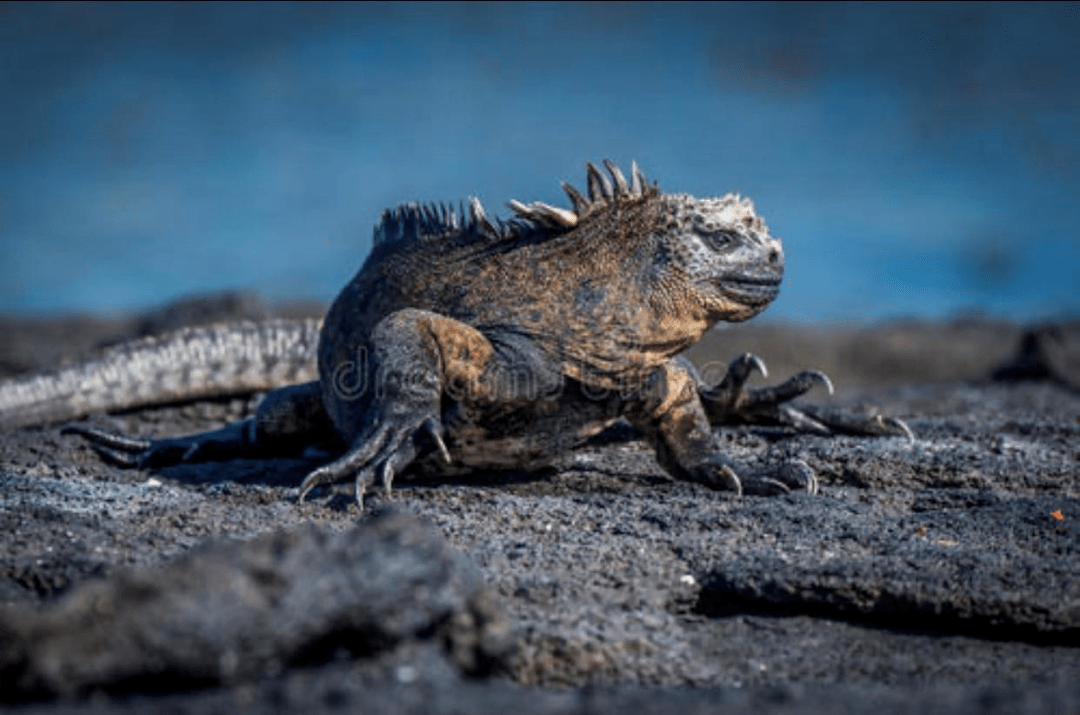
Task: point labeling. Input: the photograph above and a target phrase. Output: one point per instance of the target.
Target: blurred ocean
(917, 160)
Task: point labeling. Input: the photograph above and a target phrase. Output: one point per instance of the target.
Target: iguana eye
(716, 240)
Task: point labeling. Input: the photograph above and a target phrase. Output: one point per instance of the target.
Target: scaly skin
(481, 344)
(214, 361)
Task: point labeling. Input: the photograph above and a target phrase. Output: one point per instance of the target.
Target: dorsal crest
(442, 222)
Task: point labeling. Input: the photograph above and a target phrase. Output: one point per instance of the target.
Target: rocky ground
(942, 575)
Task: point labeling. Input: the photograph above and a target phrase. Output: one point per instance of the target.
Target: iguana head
(714, 257)
(724, 251)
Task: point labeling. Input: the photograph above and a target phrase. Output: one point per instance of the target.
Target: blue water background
(917, 160)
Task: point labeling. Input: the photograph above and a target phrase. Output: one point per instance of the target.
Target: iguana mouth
(751, 290)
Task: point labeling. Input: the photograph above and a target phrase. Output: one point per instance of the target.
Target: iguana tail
(216, 360)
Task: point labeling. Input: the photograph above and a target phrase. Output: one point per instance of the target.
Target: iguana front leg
(731, 402)
(416, 357)
(670, 415)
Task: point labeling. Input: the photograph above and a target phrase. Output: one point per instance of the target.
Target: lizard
(471, 342)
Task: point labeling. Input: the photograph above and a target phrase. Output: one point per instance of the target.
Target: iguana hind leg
(287, 420)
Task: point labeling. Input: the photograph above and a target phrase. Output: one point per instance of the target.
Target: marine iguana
(485, 343)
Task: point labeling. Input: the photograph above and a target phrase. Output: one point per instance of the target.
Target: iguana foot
(234, 440)
(845, 422)
(383, 450)
(287, 420)
(731, 402)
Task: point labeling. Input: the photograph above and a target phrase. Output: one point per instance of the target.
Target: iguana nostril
(774, 256)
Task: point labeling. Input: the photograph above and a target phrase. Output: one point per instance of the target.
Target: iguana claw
(794, 476)
(431, 427)
(900, 425)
